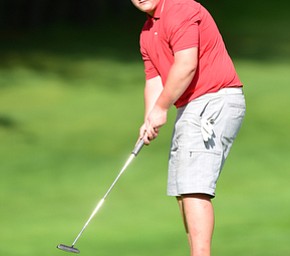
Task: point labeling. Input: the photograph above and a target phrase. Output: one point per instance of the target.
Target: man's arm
(152, 90)
(180, 76)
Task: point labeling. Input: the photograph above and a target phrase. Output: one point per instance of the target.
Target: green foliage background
(70, 107)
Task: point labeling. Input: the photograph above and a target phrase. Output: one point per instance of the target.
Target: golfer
(187, 65)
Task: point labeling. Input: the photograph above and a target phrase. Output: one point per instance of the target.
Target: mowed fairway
(67, 125)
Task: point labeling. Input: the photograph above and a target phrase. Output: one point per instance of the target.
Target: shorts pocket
(198, 170)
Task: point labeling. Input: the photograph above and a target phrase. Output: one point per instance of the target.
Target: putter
(134, 153)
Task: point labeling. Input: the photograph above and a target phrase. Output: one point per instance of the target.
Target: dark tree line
(34, 13)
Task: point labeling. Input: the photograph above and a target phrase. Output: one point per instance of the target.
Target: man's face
(147, 6)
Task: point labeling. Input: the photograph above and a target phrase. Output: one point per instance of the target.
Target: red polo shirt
(179, 25)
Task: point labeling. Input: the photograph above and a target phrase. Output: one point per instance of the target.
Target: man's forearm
(180, 76)
(152, 91)
(174, 88)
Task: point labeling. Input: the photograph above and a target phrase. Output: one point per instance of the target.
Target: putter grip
(138, 147)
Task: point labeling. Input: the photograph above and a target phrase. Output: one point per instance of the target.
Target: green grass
(68, 121)
(252, 215)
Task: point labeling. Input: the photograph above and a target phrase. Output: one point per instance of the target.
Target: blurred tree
(34, 13)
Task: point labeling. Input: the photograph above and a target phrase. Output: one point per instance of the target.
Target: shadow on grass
(13, 126)
(7, 122)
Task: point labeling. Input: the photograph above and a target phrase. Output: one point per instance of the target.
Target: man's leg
(198, 216)
(180, 204)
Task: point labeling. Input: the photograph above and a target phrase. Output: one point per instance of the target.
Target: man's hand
(155, 120)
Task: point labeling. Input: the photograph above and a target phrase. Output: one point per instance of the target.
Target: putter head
(67, 248)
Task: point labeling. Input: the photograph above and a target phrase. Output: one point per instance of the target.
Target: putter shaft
(134, 153)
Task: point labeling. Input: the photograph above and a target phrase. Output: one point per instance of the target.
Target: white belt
(231, 90)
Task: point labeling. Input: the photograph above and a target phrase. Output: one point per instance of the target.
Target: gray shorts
(195, 164)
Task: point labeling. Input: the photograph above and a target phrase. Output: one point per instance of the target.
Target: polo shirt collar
(159, 9)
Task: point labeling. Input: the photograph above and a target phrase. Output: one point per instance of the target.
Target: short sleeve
(182, 26)
(149, 68)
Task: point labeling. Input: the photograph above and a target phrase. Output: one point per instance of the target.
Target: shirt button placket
(155, 39)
